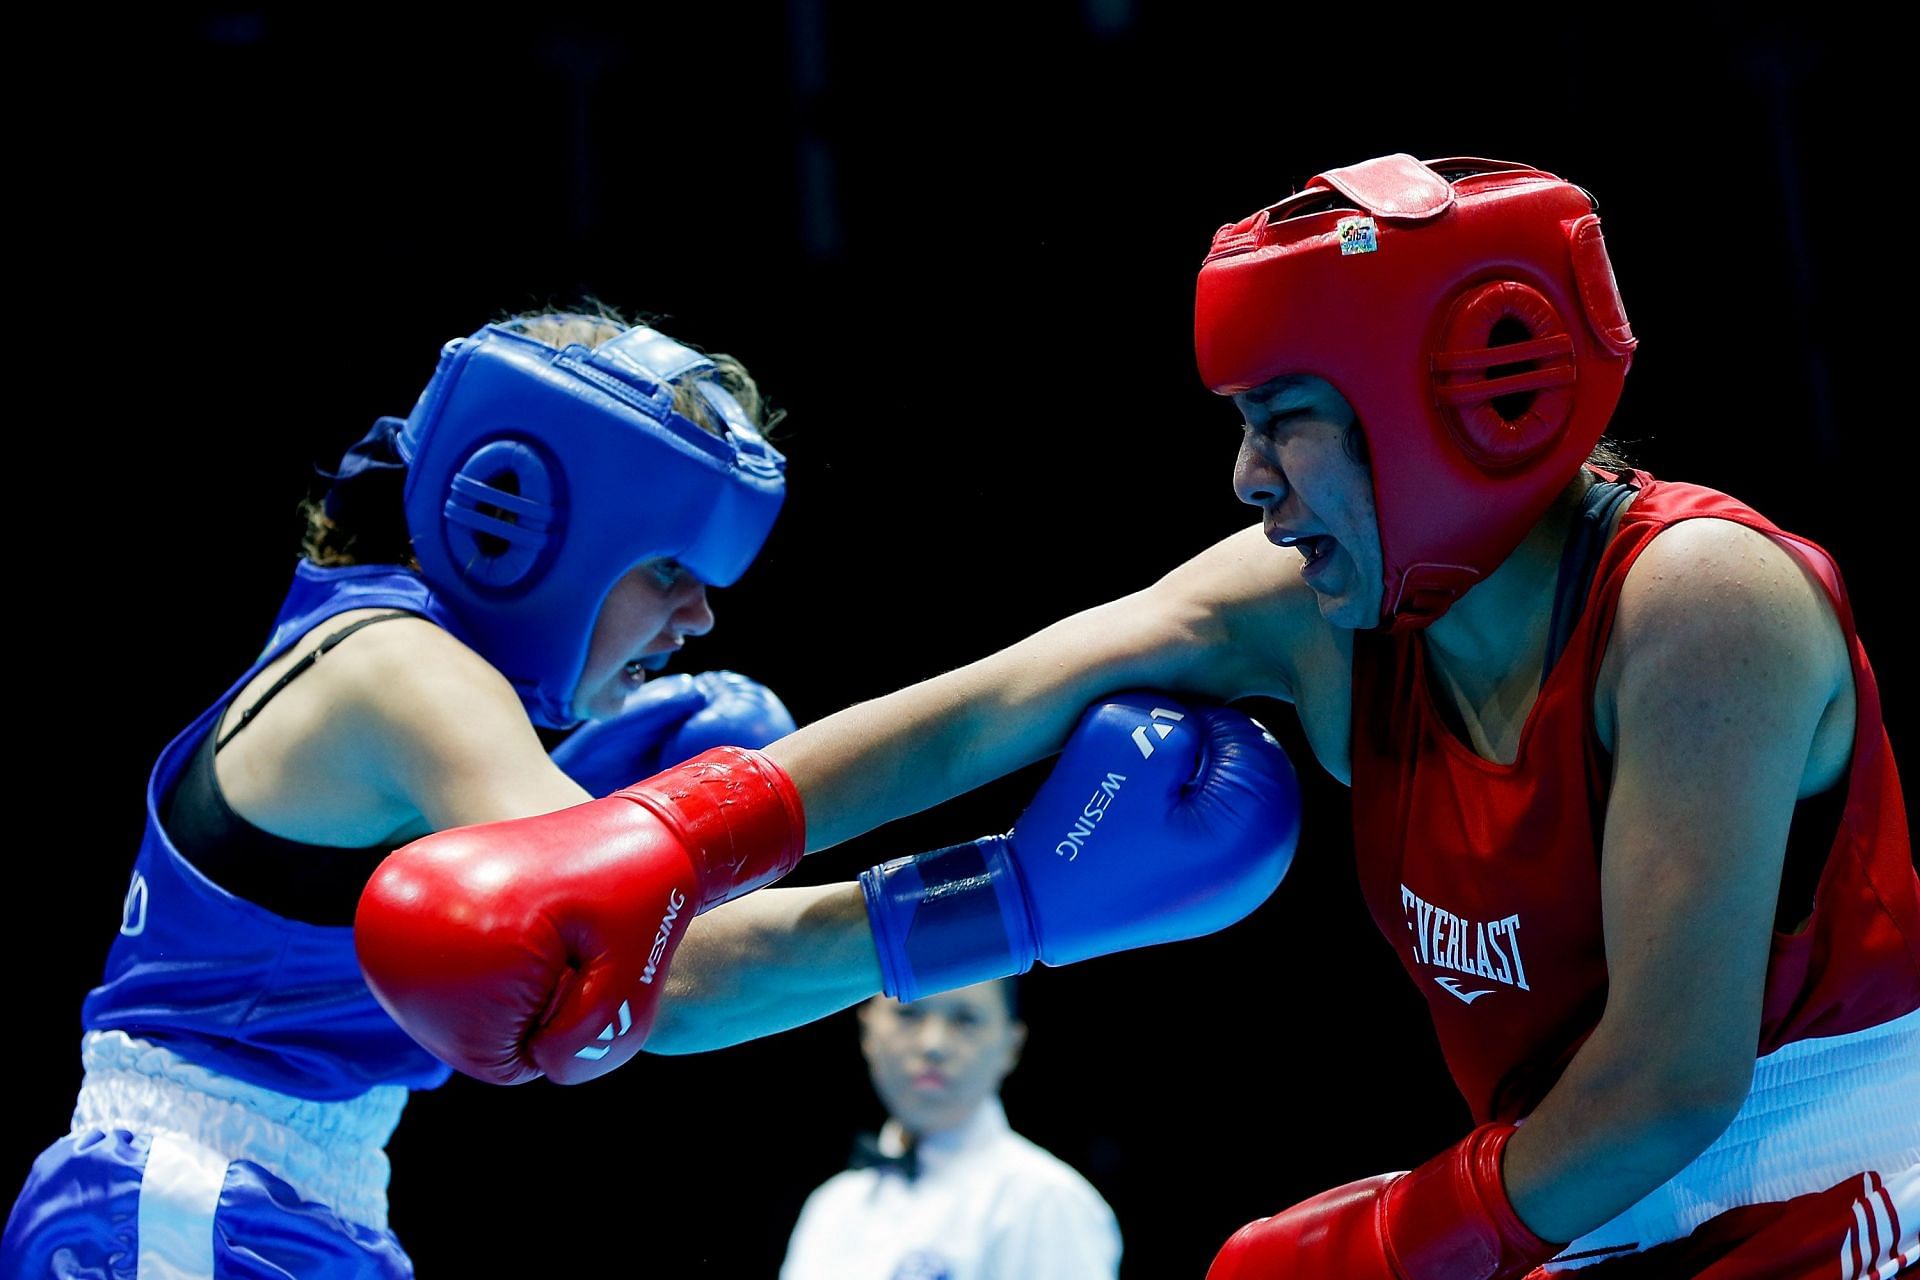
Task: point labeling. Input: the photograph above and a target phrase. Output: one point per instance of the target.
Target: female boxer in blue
(570, 488)
(240, 1081)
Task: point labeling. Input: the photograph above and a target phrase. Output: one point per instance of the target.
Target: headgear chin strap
(1467, 311)
(537, 478)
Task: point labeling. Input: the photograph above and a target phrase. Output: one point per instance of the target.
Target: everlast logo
(675, 901)
(1489, 949)
(1090, 815)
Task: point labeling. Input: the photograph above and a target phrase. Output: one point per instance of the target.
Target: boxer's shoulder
(1712, 610)
(360, 646)
(1702, 585)
(404, 658)
(443, 732)
(401, 677)
(368, 732)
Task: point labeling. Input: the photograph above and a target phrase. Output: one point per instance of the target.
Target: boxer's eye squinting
(1279, 420)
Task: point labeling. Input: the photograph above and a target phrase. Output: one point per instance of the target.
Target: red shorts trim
(1864, 1228)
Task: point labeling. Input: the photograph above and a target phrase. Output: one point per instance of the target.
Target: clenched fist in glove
(670, 719)
(540, 946)
(1447, 1220)
(1162, 819)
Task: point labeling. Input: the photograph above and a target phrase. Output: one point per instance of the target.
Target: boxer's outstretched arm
(780, 958)
(680, 844)
(1224, 625)
(767, 962)
(1194, 835)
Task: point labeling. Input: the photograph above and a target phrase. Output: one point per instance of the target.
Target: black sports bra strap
(1578, 563)
(287, 677)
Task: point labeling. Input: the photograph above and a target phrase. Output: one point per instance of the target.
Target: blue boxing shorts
(174, 1172)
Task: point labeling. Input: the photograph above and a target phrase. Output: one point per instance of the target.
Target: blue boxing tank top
(226, 983)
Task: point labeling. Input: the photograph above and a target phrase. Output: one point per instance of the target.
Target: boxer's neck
(1486, 654)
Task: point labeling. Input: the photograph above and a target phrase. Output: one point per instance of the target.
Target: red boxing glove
(1447, 1220)
(540, 946)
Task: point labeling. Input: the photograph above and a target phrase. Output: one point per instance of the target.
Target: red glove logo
(675, 901)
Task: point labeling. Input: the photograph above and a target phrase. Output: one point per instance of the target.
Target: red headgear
(1467, 311)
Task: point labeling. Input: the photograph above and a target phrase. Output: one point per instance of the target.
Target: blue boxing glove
(667, 721)
(1162, 820)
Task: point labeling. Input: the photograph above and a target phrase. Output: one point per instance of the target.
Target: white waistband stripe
(178, 1195)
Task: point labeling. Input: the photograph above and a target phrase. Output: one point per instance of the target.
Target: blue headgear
(536, 478)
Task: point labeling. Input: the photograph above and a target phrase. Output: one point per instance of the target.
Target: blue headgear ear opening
(505, 514)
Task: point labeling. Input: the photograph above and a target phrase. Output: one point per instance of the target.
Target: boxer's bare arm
(1225, 625)
(1723, 662)
(764, 963)
(1235, 621)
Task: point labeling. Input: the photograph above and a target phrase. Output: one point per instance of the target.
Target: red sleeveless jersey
(1485, 878)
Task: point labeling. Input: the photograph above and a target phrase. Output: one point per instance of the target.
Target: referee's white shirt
(988, 1205)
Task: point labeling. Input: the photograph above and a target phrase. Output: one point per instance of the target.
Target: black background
(957, 245)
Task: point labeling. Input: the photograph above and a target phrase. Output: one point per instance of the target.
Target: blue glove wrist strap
(948, 919)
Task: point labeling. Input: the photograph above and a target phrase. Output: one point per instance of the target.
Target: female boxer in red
(1624, 804)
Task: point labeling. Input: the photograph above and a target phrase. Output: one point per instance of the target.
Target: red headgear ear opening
(1504, 374)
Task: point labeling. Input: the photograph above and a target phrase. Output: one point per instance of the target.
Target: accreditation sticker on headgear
(1358, 235)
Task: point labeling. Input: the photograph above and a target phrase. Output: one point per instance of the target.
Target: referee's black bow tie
(868, 1155)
